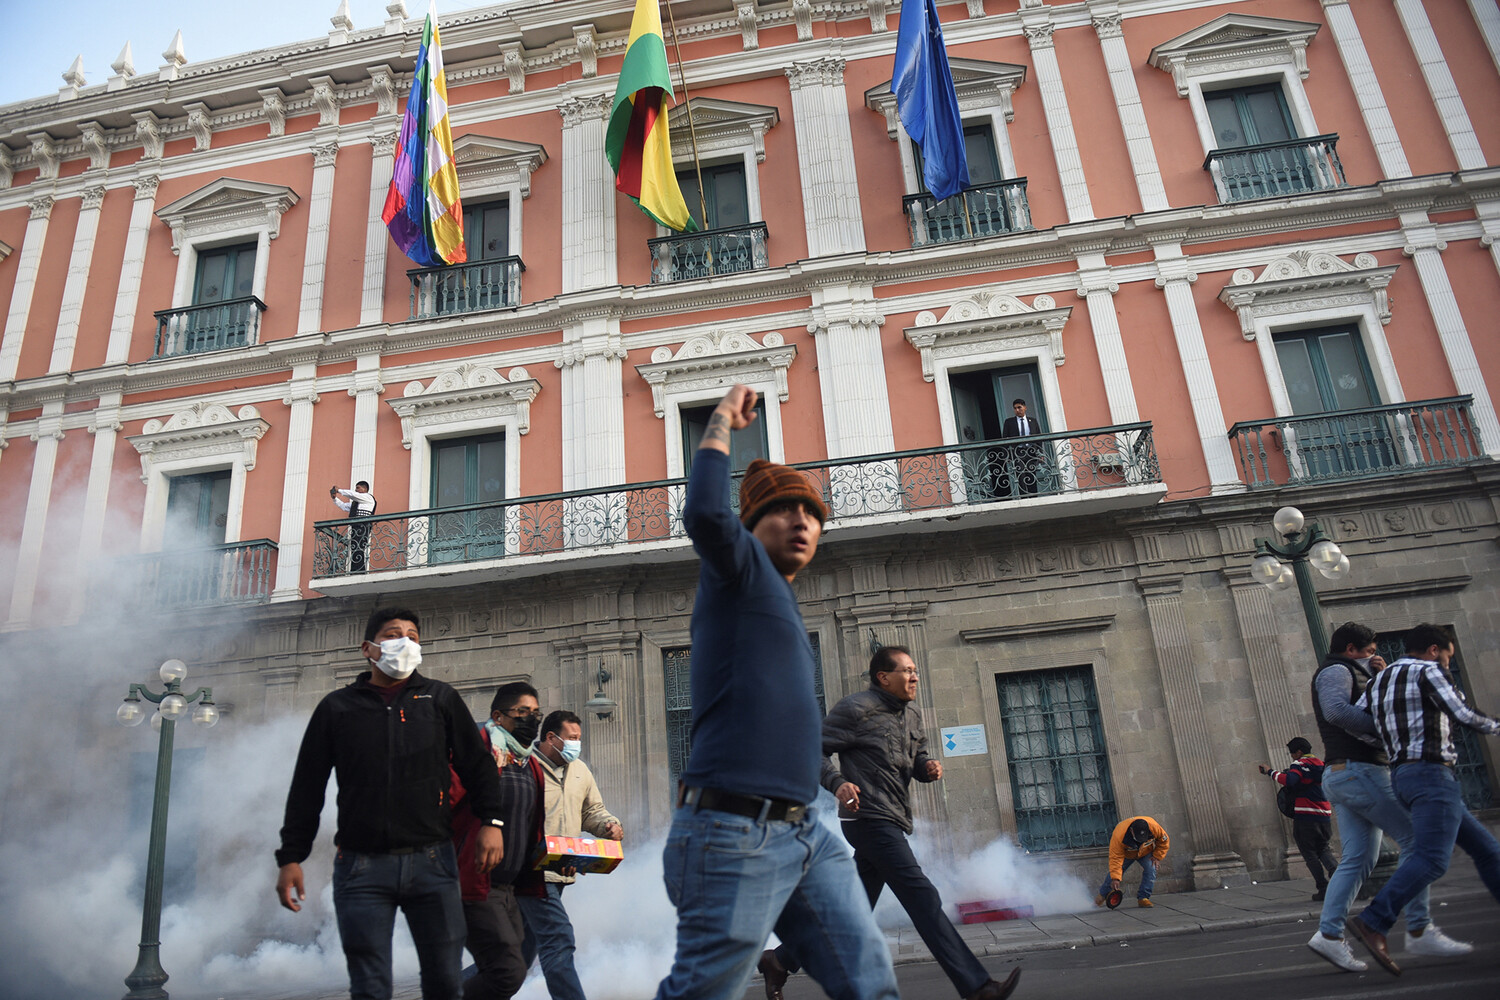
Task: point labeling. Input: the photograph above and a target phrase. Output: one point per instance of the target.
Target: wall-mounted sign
(964, 741)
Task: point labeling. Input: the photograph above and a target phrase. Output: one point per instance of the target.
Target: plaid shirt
(1414, 703)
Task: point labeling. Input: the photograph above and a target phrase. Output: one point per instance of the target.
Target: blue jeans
(367, 889)
(1364, 805)
(549, 935)
(1148, 876)
(1439, 821)
(735, 880)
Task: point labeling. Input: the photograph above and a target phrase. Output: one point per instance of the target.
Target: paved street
(1269, 962)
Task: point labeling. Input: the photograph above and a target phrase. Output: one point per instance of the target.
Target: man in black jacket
(878, 736)
(389, 736)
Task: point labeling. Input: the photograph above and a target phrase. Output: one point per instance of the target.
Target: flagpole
(692, 132)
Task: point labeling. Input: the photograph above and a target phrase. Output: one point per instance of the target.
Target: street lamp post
(147, 979)
(1300, 544)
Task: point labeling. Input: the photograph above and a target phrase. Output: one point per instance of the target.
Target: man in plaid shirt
(1414, 703)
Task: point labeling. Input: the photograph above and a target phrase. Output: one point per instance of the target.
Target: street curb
(1096, 940)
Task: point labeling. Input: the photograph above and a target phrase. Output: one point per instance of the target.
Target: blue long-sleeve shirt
(756, 724)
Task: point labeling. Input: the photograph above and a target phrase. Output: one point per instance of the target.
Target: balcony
(1275, 169)
(992, 209)
(181, 579)
(1349, 445)
(684, 256)
(211, 327)
(465, 288)
(1082, 472)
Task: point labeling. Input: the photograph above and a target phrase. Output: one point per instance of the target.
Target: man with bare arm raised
(745, 855)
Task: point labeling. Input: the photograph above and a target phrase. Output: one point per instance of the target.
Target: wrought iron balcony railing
(465, 288)
(1270, 169)
(870, 488)
(176, 579)
(212, 327)
(992, 209)
(683, 256)
(1357, 444)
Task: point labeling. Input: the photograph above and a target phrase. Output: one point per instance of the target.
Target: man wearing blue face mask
(390, 737)
(573, 807)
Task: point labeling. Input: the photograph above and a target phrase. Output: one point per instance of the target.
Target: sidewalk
(1252, 905)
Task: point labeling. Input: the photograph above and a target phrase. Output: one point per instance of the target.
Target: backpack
(1286, 802)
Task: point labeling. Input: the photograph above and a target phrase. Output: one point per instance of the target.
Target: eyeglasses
(523, 714)
(908, 671)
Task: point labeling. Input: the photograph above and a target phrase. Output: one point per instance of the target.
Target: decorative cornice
(325, 97)
(199, 430)
(1233, 41)
(979, 84)
(92, 136)
(44, 155)
(1026, 630)
(383, 86)
(148, 133)
(1304, 278)
(719, 352)
(227, 204)
(464, 389)
(802, 13)
(480, 157)
(720, 124)
(587, 43)
(200, 125)
(513, 62)
(273, 106)
(748, 17)
(986, 318)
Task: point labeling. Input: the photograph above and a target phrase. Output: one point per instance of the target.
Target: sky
(42, 39)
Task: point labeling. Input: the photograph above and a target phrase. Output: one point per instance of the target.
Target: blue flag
(926, 100)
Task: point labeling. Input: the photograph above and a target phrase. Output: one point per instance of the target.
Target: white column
(1175, 277)
(1487, 16)
(1425, 250)
(366, 391)
(1097, 287)
(1037, 24)
(77, 281)
(377, 237)
(301, 396)
(593, 401)
(1440, 83)
(825, 158)
(105, 427)
(851, 371)
(1367, 90)
(128, 294)
(1108, 25)
(588, 236)
(29, 556)
(20, 297)
(315, 264)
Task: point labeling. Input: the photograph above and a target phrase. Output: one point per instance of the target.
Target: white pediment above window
(989, 322)
(721, 126)
(226, 206)
(718, 358)
(484, 162)
(204, 431)
(1307, 282)
(979, 83)
(1234, 44)
(468, 395)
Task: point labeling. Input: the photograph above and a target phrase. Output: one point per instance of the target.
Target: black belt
(754, 806)
(411, 850)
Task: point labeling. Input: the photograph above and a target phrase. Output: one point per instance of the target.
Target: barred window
(675, 662)
(1059, 770)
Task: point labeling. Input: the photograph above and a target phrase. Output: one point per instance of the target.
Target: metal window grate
(1059, 770)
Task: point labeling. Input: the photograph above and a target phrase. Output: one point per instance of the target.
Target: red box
(581, 853)
(994, 909)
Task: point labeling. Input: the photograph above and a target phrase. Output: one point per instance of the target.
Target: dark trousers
(883, 858)
(1313, 837)
(496, 940)
(367, 891)
(359, 541)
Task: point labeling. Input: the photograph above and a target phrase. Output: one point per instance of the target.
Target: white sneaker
(1435, 942)
(1336, 950)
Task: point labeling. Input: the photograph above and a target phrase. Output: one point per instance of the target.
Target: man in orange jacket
(1139, 839)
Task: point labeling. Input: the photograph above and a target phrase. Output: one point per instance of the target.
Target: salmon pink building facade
(1228, 256)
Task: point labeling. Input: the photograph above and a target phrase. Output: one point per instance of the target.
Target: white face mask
(1364, 661)
(399, 657)
(571, 749)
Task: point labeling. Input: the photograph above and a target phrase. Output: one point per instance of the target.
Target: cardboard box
(994, 909)
(582, 853)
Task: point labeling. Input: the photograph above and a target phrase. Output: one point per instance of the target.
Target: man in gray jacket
(878, 736)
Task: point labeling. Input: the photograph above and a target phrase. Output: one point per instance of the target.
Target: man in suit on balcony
(1024, 459)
